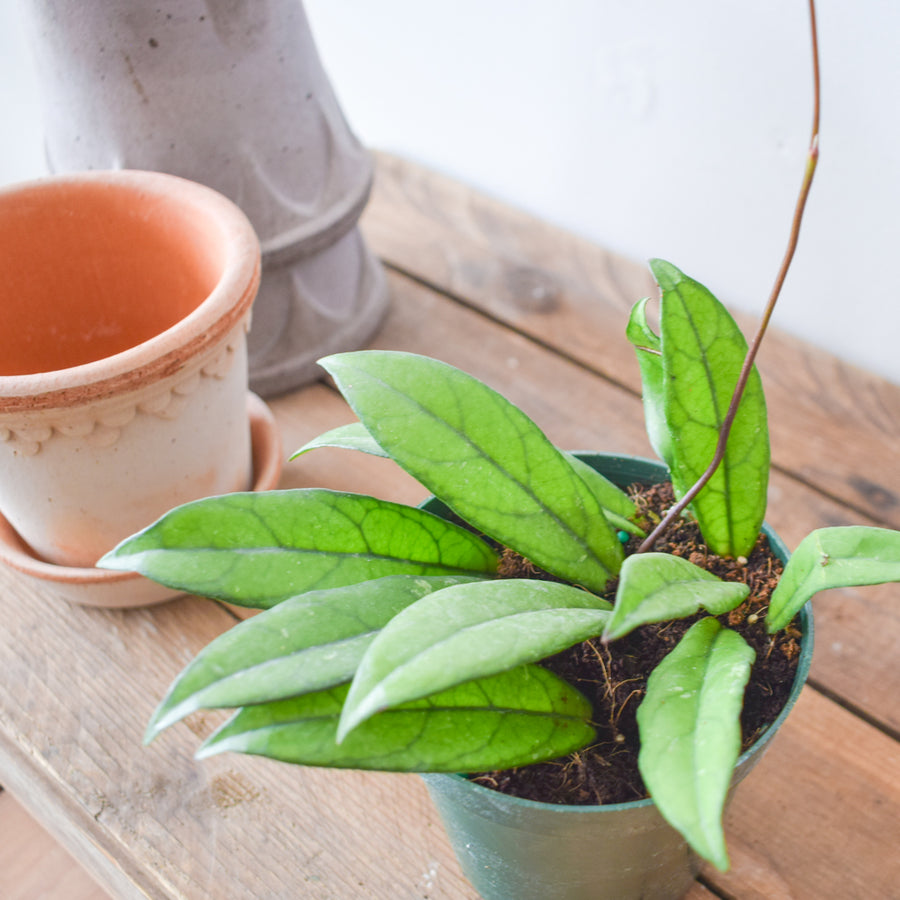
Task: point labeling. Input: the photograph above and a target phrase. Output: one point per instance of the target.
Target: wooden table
(540, 315)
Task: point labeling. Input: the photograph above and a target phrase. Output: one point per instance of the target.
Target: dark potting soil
(613, 677)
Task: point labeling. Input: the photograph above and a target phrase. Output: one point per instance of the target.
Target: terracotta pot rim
(165, 354)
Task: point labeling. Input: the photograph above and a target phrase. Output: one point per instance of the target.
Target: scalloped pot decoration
(127, 296)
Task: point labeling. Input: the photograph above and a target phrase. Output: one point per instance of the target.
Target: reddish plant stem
(812, 160)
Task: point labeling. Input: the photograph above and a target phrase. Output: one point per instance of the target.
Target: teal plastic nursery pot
(514, 849)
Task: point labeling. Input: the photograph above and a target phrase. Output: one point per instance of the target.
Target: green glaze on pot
(513, 849)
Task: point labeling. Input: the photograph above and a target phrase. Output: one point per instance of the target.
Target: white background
(658, 128)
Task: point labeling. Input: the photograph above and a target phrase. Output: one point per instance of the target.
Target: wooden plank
(33, 866)
(237, 827)
(832, 425)
(828, 785)
(70, 741)
(80, 685)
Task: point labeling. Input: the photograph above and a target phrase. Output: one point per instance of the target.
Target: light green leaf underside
(483, 457)
(617, 505)
(345, 437)
(703, 351)
(465, 632)
(849, 556)
(259, 549)
(657, 587)
(513, 719)
(649, 356)
(690, 732)
(303, 644)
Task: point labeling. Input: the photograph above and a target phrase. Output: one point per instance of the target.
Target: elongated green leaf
(656, 587)
(703, 350)
(616, 504)
(260, 549)
(345, 437)
(850, 556)
(483, 457)
(513, 719)
(303, 644)
(690, 732)
(466, 632)
(649, 356)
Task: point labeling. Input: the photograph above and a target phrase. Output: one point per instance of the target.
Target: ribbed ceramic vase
(232, 95)
(124, 305)
(514, 849)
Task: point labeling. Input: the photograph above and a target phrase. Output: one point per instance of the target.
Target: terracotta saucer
(120, 590)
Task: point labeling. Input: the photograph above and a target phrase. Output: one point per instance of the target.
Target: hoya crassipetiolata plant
(390, 642)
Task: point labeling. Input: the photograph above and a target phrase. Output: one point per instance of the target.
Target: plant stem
(812, 159)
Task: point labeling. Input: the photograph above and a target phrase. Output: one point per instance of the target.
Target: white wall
(656, 128)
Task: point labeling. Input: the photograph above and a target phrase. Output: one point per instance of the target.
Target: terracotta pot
(522, 849)
(123, 378)
(234, 96)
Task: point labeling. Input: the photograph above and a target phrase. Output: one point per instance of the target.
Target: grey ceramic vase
(513, 848)
(232, 95)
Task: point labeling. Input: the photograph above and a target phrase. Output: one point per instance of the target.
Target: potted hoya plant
(410, 639)
(574, 646)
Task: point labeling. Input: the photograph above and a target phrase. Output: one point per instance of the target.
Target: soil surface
(613, 677)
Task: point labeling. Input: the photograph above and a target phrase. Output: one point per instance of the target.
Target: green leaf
(616, 504)
(345, 437)
(690, 731)
(649, 356)
(703, 351)
(465, 632)
(483, 457)
(259, 549)
(850, 556)
(304, 644)
(656, 587)
(513, 719)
